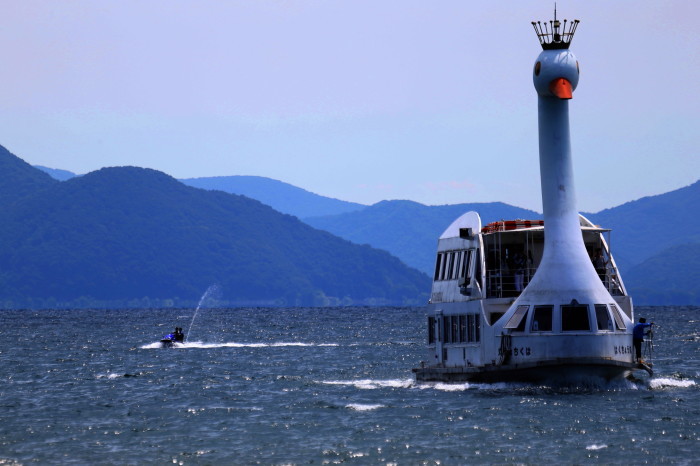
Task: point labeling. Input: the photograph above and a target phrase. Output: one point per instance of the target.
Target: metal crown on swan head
(555, 36)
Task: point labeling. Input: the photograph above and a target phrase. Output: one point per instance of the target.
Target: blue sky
(357, 100)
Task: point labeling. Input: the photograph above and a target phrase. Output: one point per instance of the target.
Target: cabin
(479, 265)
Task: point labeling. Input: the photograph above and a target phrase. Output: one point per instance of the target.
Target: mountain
(410, 230)
(647, 226)
(281, 196)
(645, 233)
(56, 173)
(654, 238)
(118, 234)
(670, 277)
(19, 179)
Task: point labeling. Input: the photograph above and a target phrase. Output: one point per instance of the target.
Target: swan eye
(538, 66)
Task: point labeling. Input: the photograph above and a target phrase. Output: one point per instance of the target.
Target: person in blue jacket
(638, 333)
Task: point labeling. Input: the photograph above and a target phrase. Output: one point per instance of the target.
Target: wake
(202, 345)
(409, 383)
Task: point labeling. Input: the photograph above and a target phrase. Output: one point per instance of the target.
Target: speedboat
(170, 339)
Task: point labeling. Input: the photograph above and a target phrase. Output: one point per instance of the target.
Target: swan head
(555, 74)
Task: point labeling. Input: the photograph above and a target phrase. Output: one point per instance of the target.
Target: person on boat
(638, 333)
(600, 264)
(518, 266)
(179, 336)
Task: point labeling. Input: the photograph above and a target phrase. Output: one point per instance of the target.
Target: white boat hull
(560, 371)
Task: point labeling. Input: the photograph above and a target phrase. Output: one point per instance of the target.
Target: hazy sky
(359, 100)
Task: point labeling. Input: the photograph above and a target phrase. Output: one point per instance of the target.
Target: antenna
(555, 36)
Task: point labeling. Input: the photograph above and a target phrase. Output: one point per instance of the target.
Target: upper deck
(499, 260)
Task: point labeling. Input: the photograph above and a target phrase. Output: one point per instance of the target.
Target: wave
(199, 344)
(364, 407)
(596, 447)
(114, 375)
(373, 384)
(457, 387)
(663, 382)
(151, 345)
(623, 384)
(369, 384)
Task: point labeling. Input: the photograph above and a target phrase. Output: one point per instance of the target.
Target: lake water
(322, 386)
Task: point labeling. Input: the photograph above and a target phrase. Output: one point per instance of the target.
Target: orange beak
(561, 87)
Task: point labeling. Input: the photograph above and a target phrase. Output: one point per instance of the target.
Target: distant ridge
(132, 236)
(282, 197)
(56, 173)
(670, 277)
(646, 232)
(647, 226)
(654, 239)
(410, 230)
(19, 179)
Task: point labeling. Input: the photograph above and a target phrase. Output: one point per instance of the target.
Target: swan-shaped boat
(522, 300)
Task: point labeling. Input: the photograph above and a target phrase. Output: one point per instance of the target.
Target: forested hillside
(670, 277)
(124, 234)
(19, 179)
(410, 230)
(281, 196)
(645, 227)
(646, 233)
(654, 239)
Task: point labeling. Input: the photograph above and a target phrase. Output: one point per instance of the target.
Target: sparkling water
(323, 386)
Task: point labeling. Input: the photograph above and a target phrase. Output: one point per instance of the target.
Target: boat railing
(611, 281)
(502, 283)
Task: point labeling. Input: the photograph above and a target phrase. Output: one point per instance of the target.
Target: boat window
(477, 266)
(431, 330)
(450, 266)
(473, 325)
(542, 319)
(437, 267)
(458, 264)
(458, 260)
(602, 317)
(465, 328)
(466, 263)
(443, 266)
(517, 317)
(521, 325)
(619, 323)
(574, 317)
(495, 316)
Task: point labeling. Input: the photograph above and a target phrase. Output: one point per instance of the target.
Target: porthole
(538, 66)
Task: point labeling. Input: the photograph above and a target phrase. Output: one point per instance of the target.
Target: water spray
(211, 290)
